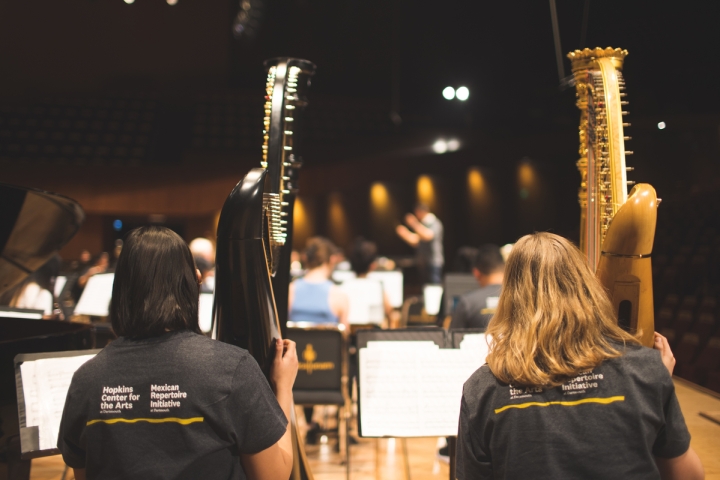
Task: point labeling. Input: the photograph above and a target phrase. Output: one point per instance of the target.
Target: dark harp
(254, 237)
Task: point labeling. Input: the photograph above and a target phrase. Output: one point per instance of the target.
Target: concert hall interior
(383, 159)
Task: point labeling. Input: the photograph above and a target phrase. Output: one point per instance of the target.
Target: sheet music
(45, 386)
(476, 344)
(413, 389)
(205, 306)
(60, 282)
(392, 284)
(95, 299)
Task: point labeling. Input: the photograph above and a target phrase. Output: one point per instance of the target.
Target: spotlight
(661, 126)
(172, 2)
(440, 146)
(129, 1)
(449, 93)
(117, 225)
(462, 93)
(453, 145)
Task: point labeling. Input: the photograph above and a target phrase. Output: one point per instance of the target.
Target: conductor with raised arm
(164, 401)
(424, 231)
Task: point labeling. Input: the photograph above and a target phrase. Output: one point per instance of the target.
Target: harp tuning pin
(288, 132)
(657, 201)
(624, 102)
(629, 152)
(287, 164)
(626, 124)
(627, 138)
(283, 214)
(630, 182)
(629, 169)
(625, 113)
(285, 179)
(287, 147)
(284, 204)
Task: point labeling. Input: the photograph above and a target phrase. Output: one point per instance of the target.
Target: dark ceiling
(503, 50)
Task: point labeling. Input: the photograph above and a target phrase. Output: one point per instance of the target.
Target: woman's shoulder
(639, 361)
(481, 381)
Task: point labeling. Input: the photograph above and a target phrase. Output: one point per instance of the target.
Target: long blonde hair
(554, 319)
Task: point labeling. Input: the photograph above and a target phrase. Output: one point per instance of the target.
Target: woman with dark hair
(566, 393)
(164, 401)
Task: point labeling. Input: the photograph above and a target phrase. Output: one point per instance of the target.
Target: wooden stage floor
(383, 459)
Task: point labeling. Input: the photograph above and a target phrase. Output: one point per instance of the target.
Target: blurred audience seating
(686, 276)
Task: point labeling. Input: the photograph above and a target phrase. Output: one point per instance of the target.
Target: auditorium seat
(687, 348)
(671, 301)
(663, 318)
(708, 304)
(704, 326)
(707, 362)
(668, 333)
(683, 322)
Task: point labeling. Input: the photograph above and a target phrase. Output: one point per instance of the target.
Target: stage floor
(384, 459)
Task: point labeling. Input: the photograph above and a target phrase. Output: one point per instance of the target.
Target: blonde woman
(566, 393)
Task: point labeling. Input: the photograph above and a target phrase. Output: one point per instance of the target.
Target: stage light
(426, 191)
(661, 126)
(476, 182)
(449, 93)
(117, 225)
(462, 93)
(440, 146)
(453, 145)
(129, 1)
(172, 2)
(379, 197)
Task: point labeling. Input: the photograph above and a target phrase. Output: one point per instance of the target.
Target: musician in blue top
(314, 298)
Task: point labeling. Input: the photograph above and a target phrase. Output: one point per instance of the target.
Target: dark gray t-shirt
(606, 423)
(476, 308)
(178, 406)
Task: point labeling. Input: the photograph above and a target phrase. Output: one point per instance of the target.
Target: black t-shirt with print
(178, 406)
(605, 423)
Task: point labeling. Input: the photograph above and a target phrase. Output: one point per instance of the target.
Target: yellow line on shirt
(181, 421)
(604, 401)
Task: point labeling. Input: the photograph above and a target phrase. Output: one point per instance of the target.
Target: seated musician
(369, 303)
(476, 307)
(164, 401)
(566, 393)
(314, 298)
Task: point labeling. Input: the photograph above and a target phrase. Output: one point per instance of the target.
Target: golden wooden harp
(617, 229)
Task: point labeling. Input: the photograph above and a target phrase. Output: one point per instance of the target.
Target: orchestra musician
(566, 393)
(164, 401)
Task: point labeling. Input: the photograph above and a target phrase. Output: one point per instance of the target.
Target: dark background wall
(152, 109)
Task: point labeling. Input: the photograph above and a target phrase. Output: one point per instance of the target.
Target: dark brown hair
(155, 288)
(318, 251)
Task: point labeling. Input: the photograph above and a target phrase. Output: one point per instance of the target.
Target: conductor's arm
(409, 237)
(424, 233)
(276, 461)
